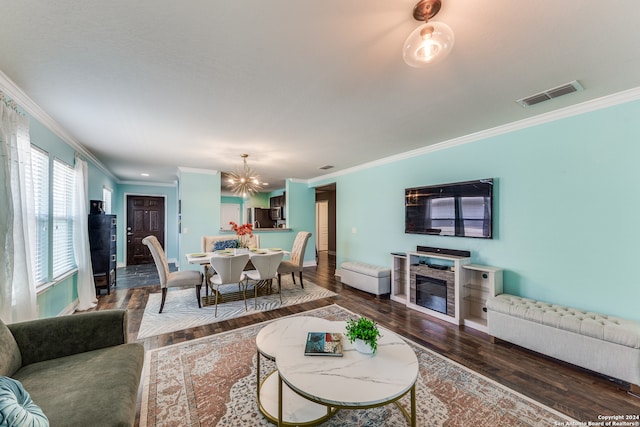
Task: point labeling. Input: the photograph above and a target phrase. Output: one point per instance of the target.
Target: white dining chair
(266, 270)
(230, 270)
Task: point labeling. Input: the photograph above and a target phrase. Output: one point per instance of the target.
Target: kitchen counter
(259, 230)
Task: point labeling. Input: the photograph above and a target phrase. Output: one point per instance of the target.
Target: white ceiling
(153, 85)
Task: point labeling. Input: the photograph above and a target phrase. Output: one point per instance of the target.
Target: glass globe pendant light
(431, 42)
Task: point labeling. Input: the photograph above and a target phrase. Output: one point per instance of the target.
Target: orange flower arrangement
(243, 232)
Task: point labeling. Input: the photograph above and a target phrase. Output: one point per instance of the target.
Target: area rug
(211, 381)
(181, 306)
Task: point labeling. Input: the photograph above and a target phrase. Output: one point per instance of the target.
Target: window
(40, 181)
(63, 259)
(106, 200)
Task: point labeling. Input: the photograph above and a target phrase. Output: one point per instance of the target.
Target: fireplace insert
(431, 293)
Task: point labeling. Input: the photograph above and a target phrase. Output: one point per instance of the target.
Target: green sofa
(78, 369)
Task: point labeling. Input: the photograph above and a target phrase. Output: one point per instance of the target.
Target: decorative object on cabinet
(103, 245)
(95, 207)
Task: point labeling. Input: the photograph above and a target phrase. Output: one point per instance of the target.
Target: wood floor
(573, 391)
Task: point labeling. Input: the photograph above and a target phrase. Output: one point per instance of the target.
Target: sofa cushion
(16, 406)
(93, 388)
(10, 356)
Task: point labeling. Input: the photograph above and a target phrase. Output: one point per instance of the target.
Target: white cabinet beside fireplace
(399, 277)
(480, 282)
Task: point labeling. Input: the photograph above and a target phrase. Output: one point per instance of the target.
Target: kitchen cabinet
(279, 201)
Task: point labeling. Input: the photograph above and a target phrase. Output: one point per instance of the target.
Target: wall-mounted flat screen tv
(461, 209)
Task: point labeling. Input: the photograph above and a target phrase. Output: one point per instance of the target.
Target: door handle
(129, 234)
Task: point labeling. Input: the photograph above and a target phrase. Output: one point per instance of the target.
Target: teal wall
(564, 209)
(258, 200)
(199, 193)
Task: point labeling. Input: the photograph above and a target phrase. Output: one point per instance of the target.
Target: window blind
(39, 180)
(63, 259)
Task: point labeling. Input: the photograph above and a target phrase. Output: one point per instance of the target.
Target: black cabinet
(103, 244)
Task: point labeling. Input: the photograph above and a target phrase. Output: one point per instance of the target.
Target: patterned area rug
(211, 381)
(181, 306)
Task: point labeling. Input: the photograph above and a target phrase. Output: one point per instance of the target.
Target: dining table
(203, 258)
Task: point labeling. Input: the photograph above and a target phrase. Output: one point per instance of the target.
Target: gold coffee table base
(410, 417)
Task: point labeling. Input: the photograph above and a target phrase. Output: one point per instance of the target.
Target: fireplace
(431, 293)
(433, 288)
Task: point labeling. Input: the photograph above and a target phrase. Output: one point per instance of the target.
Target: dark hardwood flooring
(573, 391)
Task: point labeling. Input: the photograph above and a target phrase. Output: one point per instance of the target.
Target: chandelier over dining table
(244, 182)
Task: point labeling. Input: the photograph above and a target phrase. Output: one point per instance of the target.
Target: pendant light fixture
(431, 42)
(245, 182)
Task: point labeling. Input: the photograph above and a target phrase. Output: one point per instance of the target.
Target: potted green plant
(364, 333)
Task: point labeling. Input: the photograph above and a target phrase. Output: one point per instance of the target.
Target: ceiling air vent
(555, 92)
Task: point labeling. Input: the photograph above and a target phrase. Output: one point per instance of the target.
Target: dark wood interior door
(145, 216)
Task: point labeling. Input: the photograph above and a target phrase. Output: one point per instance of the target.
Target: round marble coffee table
(354, 381)
(296, 410)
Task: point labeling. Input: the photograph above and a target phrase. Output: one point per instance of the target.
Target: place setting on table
(205, 259)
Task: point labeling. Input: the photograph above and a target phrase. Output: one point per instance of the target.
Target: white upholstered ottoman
(605, 344)
(366, 277)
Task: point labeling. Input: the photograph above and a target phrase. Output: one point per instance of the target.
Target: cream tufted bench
(605, 344)
(366, 277)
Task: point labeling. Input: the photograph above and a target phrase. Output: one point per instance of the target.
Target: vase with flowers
(244, 232)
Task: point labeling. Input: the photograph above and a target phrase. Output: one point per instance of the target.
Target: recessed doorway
(326, 221)
(145, 216)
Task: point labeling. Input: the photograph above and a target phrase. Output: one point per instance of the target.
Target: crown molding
(24, 101)
(184, 169)
(297, 180)
(149, 183)
(562, 113)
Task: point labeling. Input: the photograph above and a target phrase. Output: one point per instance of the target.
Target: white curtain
(17, 217)
(86, 287)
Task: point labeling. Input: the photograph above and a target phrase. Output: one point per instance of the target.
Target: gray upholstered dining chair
(230, 270)
(266, 270)
(169, 278)
(294, 264)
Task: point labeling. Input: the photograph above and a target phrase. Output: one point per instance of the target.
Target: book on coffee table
(323, 344)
